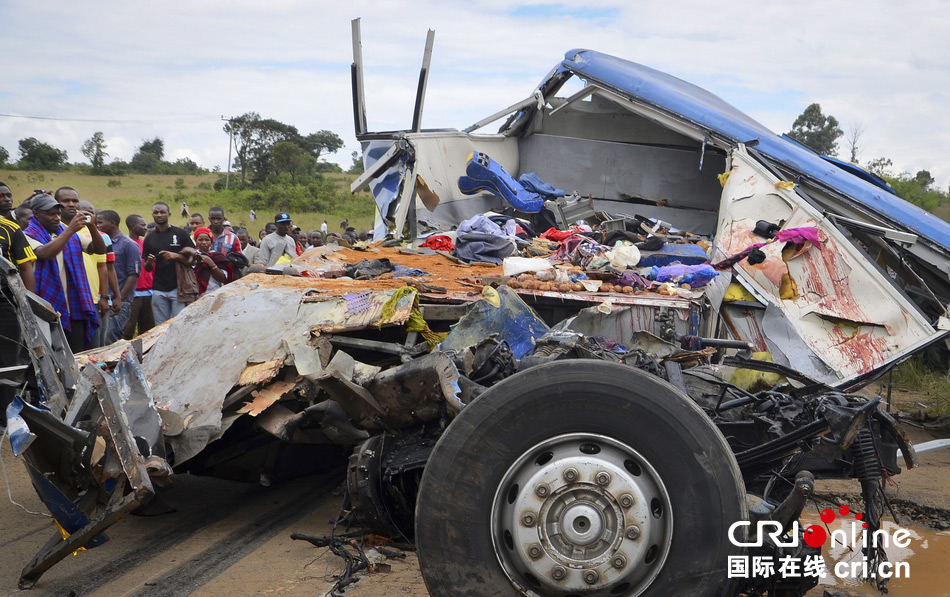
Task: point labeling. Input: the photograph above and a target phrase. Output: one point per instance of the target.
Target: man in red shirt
(140, 316)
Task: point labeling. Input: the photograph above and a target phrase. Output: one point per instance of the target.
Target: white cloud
(182, 65)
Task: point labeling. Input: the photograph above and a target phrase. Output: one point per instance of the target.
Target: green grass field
(137, 192)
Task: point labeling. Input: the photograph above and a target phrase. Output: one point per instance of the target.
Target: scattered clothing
(480, 239)
(439, 242)
(367, 269)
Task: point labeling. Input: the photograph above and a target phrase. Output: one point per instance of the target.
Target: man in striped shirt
(15, 248)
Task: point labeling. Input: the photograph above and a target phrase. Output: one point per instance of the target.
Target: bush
(114, 182)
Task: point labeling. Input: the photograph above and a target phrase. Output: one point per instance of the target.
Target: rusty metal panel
(251, 321)
(841, 308)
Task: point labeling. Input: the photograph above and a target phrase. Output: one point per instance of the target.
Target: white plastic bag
(518, 265)
(623, 257)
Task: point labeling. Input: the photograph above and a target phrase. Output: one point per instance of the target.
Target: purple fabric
(794, 235)
(632, 279)
(50, 287)
(800, 236)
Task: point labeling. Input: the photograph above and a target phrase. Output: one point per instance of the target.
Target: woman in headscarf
(212, 270)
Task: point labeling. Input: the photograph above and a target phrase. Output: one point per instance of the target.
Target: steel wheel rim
(581, 512)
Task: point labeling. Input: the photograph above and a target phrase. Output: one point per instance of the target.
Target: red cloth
(439, 242)
(145, 278)
(202, 230)
(559, 235)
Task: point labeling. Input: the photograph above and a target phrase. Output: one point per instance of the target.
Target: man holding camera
(60, 273)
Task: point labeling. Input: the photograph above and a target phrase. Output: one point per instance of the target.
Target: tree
(290, 158)
(4, 156)
(36, 155)
(855, 131)
(320, 142)
(145, 163)
(924, 179)
(816, 131)
(880, 167)
(253, 139)
(148, 159)
(94, 148)
(357, 166)
(155, 147)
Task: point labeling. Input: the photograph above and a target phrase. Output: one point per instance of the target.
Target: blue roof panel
(710, 112)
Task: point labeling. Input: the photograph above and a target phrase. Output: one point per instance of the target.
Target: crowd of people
(107, 285)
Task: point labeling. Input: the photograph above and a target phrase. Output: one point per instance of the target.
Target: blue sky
(173, 69)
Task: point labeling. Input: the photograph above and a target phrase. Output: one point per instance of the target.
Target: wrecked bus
(583, 438)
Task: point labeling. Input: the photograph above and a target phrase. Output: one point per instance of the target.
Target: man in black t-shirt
(16, 249)
(164, 247)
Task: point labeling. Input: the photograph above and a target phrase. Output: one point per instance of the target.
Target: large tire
(589, 417)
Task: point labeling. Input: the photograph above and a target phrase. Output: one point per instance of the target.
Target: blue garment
(128, 258)
(533, 183)
(480, 239)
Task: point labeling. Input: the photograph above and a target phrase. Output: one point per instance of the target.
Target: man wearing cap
(278, 243)
(60, 272)
(163, 248)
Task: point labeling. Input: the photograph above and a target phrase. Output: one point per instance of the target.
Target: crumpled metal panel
(250, 323)
(844, 314)
(502, 313)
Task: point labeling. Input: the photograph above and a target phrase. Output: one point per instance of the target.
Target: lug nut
(558, 573)
(591, 577)
(626, 500)
(602, 478)
(618, 562)
(570, 475)
(542, 490)
(633, 532)
(528, 519)
(534, 551)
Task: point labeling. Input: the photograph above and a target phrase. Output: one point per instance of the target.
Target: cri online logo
(815, 535)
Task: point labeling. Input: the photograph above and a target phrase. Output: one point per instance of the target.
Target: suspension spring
(867, 462)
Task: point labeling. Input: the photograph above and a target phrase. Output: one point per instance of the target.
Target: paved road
(223, 539)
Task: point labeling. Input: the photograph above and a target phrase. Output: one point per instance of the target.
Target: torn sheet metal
(88, 477)
(622, 323)
(841, 311)
(242, 311)
(259, 373)
(501, 312)
(418, 391)
(267, 396)
(43, 337)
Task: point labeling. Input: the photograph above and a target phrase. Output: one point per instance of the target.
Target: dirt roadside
(234, 539)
